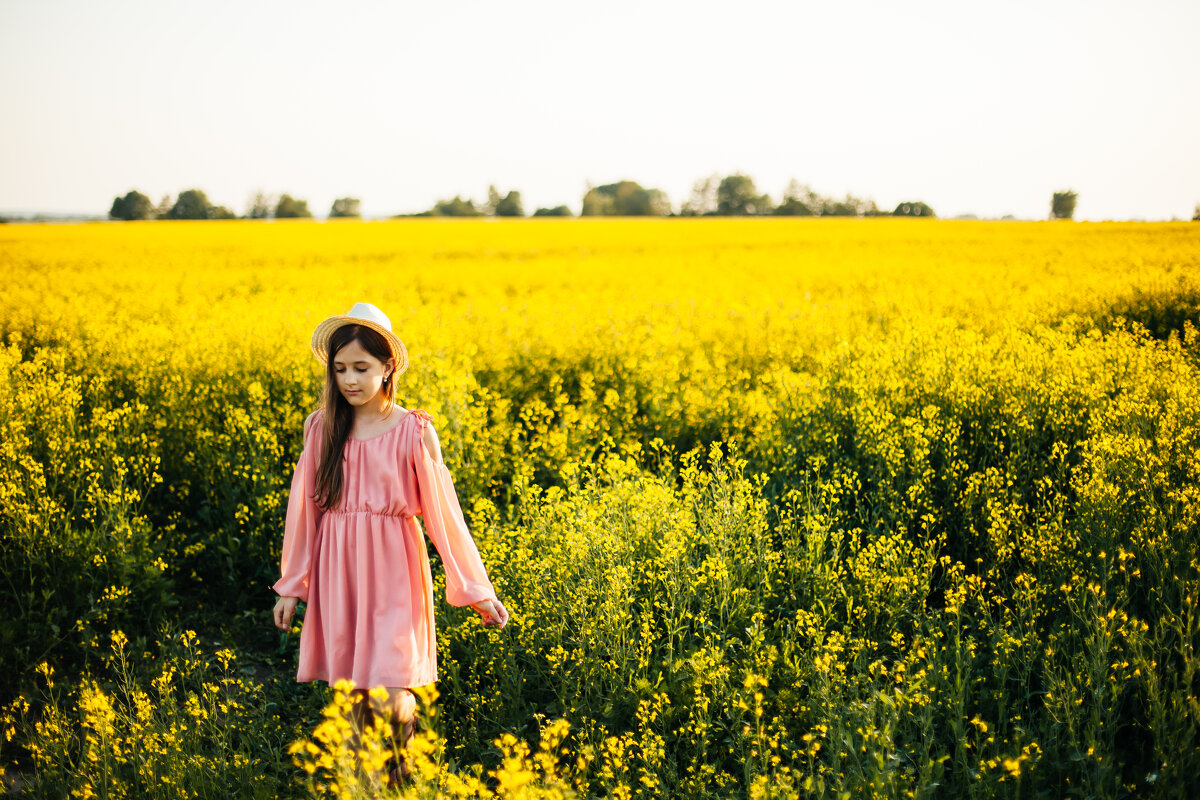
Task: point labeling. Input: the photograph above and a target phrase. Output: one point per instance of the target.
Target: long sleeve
(466, 578)
(300, 527)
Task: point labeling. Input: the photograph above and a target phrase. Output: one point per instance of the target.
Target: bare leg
(400, 710)
(359, 717)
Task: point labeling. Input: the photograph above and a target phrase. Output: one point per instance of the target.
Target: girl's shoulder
(427, 434)
(313, 418)
(422, 416)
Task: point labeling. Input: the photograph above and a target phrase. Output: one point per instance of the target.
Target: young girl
(352, 549)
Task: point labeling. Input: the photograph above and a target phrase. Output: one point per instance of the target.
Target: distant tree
(261, 206)
(191, 204)
(345, 207)
(799, 200)
(913, 209)
(289, 207)
(163, 209)
(596, 203)
(457, 207)
(509, 205)
(839, 208)
(851, 206)
(134, 205)
(624, 199)
(220, 212)
(493, 200)
(1196, 214)
(557, 211)
(660, 204)
(703, 200)
(738, 197)
(1062, 205)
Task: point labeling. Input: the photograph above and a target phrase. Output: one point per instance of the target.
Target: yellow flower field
(781, 507)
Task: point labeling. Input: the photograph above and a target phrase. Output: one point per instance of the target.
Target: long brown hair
(339, 414)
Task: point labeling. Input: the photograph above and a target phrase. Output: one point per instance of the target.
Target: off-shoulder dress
(362, 567)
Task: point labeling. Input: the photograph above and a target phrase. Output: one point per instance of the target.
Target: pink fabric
(363, 568)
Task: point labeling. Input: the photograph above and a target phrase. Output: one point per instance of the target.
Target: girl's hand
(284, 609)
(493, 612)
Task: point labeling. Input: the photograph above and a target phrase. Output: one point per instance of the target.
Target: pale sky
(970, 107)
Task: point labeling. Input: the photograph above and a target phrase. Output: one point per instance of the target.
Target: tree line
(731, 196)
(194, 204)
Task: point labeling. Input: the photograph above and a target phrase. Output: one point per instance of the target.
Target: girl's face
(359, 374)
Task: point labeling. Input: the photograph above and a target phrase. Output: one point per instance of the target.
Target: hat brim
(320, 339)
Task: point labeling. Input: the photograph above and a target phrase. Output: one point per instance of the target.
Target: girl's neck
(373, 410)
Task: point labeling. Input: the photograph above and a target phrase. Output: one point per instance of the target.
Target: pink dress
(362, 567)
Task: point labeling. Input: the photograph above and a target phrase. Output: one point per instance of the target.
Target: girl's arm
(467, 583)
(300, 527)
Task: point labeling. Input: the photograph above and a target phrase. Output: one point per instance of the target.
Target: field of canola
(820, 508)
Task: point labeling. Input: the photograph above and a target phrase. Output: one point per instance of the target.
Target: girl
(352, 549)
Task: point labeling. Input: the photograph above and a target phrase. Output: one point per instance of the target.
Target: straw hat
(362, 314)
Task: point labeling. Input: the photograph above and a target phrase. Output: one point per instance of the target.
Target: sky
(972, 107)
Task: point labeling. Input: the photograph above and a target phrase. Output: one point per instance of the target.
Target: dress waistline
(372, 512)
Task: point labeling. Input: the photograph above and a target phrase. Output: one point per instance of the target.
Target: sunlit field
(832, 508)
